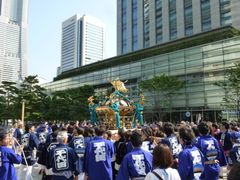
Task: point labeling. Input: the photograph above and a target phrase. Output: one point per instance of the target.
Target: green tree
(231, 87)
(8, 100)
(70, 104)
(163, 88)
(33, 95)
(64, 105)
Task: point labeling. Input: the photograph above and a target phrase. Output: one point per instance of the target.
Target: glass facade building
(172, 19)
(188, 17)
(13, 39)
(199, 66)
(159, 21)
(146, 35)
(145, 23)
(83, 42)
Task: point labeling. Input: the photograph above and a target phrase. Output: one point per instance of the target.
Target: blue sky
(44, 30)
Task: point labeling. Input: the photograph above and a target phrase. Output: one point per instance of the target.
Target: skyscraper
(13, 39)
(145, 23)
(83, 42)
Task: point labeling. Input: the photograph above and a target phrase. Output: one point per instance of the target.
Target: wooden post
(23, 111)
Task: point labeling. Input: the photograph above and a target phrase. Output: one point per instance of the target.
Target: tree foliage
(231, 87)
(70, 104)
(163, 88)
(65, 105)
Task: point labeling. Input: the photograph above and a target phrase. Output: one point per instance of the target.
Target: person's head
(20, 124)
(99, 131)
(29, 128)
(127, 135)
(146, 132)
(88, 132)
(162, 156)
(121, 132)
(195, 131)
(108, 135)
(54, 127)
(136, 139)
(214, 127)
(62, 137)
(186, 135)
(203, 128)
(233, 126)
(168, 128)
(234, 173)
(70, 129)
(182, 123)
(78, 131)
(4, 138)
(225, 126)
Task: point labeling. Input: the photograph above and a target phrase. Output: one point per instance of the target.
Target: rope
(24, 157)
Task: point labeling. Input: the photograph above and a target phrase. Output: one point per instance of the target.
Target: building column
(196, 10)
(152, 23)
(129, 26)
(119, 27)
(140, 24)
(215, 14)
(165, 19)
(180, 19)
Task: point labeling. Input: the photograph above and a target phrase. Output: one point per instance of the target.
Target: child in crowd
(7, 157)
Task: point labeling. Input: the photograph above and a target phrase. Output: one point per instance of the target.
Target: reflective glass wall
(200, 67)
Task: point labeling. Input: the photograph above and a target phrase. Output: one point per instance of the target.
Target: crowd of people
(158, 151)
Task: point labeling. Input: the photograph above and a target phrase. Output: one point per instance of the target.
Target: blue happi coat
(99, 153)
(226, 141)
(173, 143)
(235, 153)
(210, 149)
(42, 136)
(7, 159)
(191, 163)
(137, 163)
(29, 141)
(18, 134)
(62, 158)
(78, 144)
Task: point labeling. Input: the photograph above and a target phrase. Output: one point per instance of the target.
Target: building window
(134, 25)
(124, 26)
(146, 37)
(206, 15)
(188, 17)
(158, 10)
(172, 19)
(225, 12)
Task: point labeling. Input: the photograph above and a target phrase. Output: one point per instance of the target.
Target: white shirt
(166, 174)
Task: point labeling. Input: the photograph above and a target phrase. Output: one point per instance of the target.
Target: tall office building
(83, 42)
(145, 23)
(13, 39)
